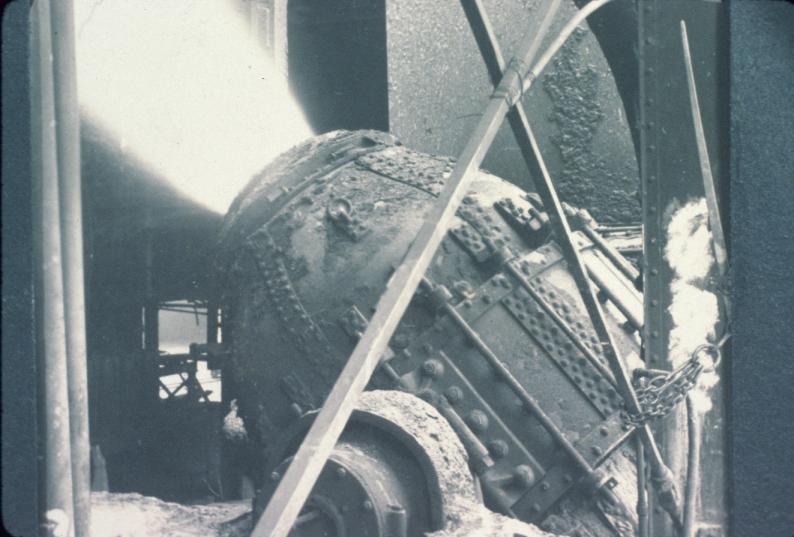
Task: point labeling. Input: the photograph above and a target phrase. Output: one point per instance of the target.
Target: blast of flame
(187, 90)
(694, 310)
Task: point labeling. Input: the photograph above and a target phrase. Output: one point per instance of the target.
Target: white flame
(694, 310)
(184, 86)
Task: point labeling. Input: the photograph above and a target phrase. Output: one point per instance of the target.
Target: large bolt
(524, 475)
(433, 368)
(478, 421)
(498, 448)
(454, 394)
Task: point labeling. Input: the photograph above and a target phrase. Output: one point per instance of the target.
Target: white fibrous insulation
(233, 426)
(694, 310)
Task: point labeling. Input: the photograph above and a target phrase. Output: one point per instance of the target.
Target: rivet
(454, 394)
(603, 430)
(545, 486)
(275, 476)
(341, 472)
(367, 505)
(597, 451)
(498, 448)
(433, 368)
(478, 421)
(524, 475)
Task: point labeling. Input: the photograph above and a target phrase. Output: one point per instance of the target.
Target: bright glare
(185, 89)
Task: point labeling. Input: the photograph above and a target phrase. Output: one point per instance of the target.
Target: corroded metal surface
(577, 112)
(281, 235)
(397, 464)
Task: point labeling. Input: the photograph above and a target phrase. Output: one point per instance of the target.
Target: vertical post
(671, 176)
(71, 214)
(692, 489)
(58, 498)
(642, 489)
(150, 387)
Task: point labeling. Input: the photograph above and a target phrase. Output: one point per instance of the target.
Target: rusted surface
(435, 114)
(335, 281)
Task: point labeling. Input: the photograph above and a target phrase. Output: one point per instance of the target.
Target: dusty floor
(133, 515)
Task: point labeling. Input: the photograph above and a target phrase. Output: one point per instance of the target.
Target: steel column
(58, 494)
(672, 175)
(71, 209)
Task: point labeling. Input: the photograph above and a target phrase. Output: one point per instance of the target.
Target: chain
(658, 392)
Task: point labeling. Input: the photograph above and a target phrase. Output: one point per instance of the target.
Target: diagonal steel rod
(295, 486)
(717, 233)
(527, 143)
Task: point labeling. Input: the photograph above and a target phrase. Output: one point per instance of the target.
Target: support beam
(67, 114)
(58, 495)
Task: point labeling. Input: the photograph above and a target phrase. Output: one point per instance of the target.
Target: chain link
(658, 392)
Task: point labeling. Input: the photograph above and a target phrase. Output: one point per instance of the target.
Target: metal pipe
(604, 287)
(71, 213)
(611, 253)
(642, 490)
(58, 493)
(692, 487)
(718, 237)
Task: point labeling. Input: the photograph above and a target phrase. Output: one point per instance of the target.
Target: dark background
(762, 242)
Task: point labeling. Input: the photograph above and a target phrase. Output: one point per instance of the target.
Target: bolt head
(498, 448)
(477, 420)
(524, 475)
(433, 368)
(454, 394)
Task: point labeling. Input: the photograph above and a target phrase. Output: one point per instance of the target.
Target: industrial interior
(250, 175)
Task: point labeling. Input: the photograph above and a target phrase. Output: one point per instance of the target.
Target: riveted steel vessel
(497, 338)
